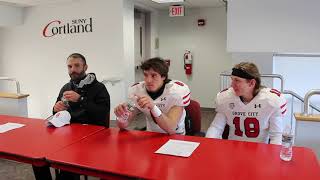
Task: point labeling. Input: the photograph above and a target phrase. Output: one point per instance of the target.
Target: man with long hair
(253, 112)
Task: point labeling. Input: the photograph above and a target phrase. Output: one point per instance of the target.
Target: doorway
(139, 42)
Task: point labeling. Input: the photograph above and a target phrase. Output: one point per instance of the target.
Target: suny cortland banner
(58, 27)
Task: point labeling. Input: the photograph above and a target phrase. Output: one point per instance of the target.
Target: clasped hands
(70, 96)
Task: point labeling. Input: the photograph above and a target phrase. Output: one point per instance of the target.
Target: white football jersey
(255, 121)
(175, 93)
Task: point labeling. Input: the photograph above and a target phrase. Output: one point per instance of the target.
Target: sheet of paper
(9, 126)
(178, 148)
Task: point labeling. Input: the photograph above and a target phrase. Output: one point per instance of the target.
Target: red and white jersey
(255, 121)
(175, 93)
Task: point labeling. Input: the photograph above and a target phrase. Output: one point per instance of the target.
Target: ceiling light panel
(167, 1)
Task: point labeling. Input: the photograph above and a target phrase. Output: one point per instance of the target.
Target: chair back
(194, 116)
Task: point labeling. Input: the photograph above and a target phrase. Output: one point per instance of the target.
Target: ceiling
(187, 3)
(27, 3)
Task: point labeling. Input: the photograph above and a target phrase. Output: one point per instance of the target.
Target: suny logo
(57, 27)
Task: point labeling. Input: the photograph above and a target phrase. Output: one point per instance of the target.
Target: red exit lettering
(176, 11)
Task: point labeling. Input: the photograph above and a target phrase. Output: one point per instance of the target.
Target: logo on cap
(60, 119)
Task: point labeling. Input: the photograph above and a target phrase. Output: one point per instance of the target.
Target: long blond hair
(252, 70)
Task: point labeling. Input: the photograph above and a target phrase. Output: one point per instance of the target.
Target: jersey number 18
(251, 127)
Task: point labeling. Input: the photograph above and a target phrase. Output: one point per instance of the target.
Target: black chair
(225, 133)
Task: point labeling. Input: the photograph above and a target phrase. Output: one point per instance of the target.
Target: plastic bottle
(287, 143)
(65, 101)
(131, 103)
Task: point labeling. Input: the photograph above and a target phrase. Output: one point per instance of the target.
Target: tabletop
(33, 142)
(131, 154)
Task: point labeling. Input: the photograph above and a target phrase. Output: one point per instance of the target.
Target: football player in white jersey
(254, 113)
(160, 99)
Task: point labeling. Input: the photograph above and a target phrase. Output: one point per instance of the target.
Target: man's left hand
(71, 96)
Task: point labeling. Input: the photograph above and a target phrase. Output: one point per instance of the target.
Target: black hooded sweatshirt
(93, 106)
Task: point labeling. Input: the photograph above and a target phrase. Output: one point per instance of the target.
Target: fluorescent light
(167, 1)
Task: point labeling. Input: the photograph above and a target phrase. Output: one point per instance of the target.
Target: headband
(241, 73)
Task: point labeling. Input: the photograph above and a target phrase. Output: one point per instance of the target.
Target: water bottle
(65, 101)
(287, 143)
(131, 103)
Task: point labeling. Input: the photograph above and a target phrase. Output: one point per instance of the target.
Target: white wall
(257, 28)
(128, 41)
(300, 73)
(286, 26)
(40, 63)
(10, 16)
(262, 60)
(255, 57)
(1, 44)
(207, 44)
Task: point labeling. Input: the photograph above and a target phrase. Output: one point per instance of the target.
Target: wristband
(155, 111)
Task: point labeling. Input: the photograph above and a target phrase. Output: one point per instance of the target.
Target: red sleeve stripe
(283, 105)
(276, 90)
(134, 84)
(187, 101)
(224, 90)
(283, 111)
(186, 95)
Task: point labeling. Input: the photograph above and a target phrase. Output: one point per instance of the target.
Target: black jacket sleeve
(97, 105)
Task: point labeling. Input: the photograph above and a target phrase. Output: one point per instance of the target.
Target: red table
(114, 153)
(33, 142)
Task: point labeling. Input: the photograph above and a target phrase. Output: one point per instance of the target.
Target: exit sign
(177, 10)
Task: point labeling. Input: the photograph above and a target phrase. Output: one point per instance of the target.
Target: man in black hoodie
(87, 101)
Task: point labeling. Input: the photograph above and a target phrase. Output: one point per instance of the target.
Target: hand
(59, 106)
(120, 110)
(145, 101)
(71, 96)
(122, 124)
